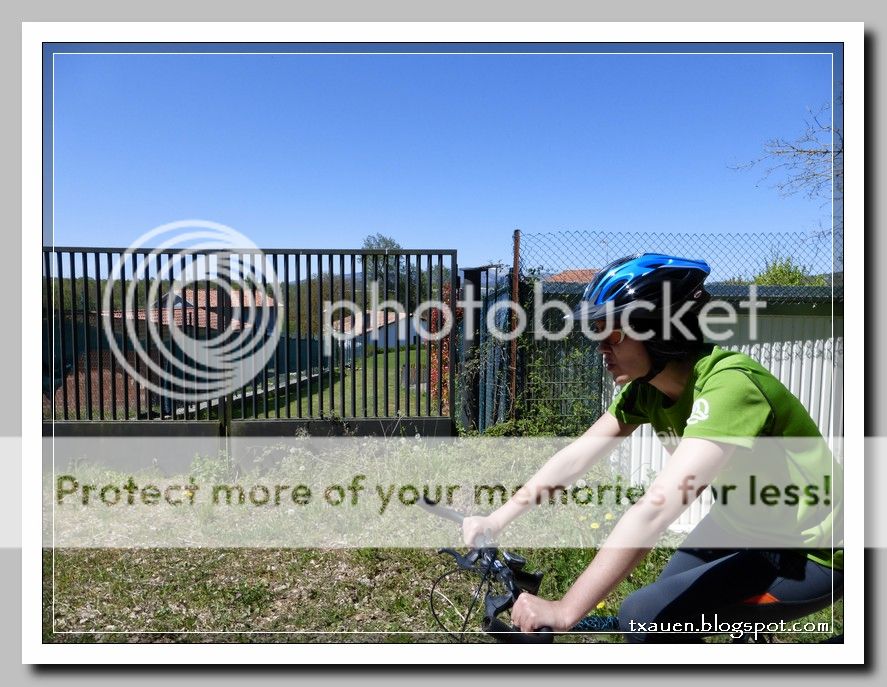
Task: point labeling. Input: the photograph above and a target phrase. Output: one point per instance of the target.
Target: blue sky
(437, 151)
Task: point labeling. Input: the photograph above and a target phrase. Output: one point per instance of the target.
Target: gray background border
(494, 10)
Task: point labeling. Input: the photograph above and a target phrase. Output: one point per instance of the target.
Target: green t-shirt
(732, 399)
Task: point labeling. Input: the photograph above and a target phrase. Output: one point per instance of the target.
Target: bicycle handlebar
(485, 540)
(514, 579)
(508, 634)
(441, 511)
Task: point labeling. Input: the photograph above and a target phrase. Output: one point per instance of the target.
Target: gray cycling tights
(707, 591)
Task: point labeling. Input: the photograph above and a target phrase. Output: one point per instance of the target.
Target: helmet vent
(612, 289)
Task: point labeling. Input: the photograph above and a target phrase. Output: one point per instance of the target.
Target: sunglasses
(617, 336)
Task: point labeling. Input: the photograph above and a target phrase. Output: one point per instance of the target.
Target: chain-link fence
(561, 384)
(793, 261)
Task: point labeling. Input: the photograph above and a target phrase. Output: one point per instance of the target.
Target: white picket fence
(806, 353)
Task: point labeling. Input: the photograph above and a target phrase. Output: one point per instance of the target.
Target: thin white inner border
(33, 34)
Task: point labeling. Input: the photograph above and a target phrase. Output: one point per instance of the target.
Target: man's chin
(620, 378)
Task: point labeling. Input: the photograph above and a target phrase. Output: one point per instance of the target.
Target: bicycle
(504, 580)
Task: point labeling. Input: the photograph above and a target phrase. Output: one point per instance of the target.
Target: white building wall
(390, 331)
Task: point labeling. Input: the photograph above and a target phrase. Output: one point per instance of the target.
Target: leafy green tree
(421, 281)
(375, 268)
(380, 242)
(786, 272)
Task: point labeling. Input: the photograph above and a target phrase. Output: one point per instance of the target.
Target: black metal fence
(484, 359)
(122, 333)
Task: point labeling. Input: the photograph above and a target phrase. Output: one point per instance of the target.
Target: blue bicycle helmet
(641, 277)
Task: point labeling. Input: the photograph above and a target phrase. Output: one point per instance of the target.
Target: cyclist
(718, 404)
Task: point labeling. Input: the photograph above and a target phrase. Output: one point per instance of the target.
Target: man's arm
(562, 468)
(692, 466)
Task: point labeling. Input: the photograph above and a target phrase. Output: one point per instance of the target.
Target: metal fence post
(225, 316)
(515, 298)
(471, 406)
(452, 362)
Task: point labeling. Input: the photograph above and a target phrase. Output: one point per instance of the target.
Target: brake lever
(494, 604)
(528, 581)
(464, 562)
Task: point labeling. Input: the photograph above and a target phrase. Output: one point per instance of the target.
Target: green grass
(283, 595)
(376, 381)
(376, 384)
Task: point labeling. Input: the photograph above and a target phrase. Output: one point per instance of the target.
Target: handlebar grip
(507, 634)
(440, 511)
(483, 540)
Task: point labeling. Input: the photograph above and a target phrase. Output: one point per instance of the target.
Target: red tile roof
(582, 276)
(184, 314)
(382, 317)
(261, 299)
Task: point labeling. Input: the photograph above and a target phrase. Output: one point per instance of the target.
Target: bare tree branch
(812, 164)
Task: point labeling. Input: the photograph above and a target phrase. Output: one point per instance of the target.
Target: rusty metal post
(515, 298)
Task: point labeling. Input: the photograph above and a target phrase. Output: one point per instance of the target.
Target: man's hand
(479, 530)
(530, 613)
